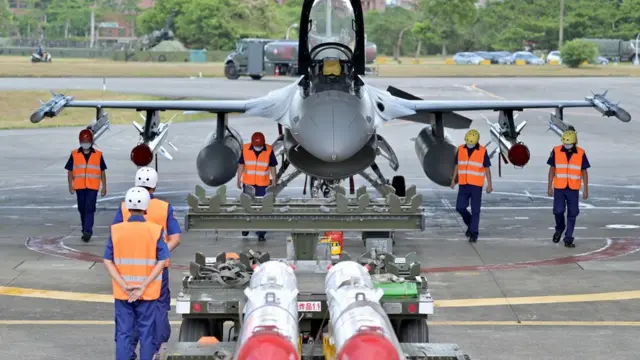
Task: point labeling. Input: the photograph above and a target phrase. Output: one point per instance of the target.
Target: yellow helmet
(569, 137)
(472, 137)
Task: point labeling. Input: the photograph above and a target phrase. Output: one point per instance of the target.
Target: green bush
(574, 53)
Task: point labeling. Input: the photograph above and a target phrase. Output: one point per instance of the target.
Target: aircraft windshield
(331, 21)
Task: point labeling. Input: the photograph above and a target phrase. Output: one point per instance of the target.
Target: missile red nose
(141, 155)
(267, 346)
(519, 154)
(367, 346)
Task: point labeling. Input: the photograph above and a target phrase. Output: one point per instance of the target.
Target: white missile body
(359, 327)
(270, 323)
(99, 126)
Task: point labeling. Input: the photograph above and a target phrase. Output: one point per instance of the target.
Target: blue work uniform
(163, 327)
(86, 198)
(566, 199)
(471, 193)
(138, 316)
(259, 190)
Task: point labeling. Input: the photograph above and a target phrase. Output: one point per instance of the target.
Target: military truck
(212, 299)
(615, 48)
(259, 57)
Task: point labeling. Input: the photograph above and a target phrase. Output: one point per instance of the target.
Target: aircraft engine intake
(311, 165)
(217, 161)
(436, 156)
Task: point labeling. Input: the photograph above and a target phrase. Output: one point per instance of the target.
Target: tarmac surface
(512, 295)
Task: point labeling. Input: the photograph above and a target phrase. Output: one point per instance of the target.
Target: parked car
(601, 60)
(528, 57)
(494, 56)
(554, 55)
(467, 58)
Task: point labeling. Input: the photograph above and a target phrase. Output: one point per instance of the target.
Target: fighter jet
(330, 116)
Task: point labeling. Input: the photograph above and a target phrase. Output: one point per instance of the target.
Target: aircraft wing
(422, 107)
(273, 105)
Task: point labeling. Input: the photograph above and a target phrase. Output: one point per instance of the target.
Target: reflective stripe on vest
(256, 169)
(471, 169)
(134, 255)
(157, 213)
(86, 174)
(568, 172)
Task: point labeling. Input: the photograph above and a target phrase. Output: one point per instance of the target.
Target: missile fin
(165, 153)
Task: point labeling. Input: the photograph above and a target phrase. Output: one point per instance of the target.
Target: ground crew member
(135, 255)
(472, 166)
(257, 167)
(568, 166)
(161, 213)
(86, 171)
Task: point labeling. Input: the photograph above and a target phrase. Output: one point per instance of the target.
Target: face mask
(257, 148)
(568, 146)
(470, 146)
(85, 146)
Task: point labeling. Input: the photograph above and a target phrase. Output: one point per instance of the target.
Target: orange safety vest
(134, 255)
(256, 168)
(568, 171)
(471, 169)
(157, 213)
(86, 174)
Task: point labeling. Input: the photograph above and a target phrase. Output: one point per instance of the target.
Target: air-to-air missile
(607, 108)
(51, 108)
(511, 149)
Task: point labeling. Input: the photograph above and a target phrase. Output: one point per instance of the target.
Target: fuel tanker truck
(259, 57)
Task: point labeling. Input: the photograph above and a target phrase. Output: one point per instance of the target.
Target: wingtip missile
(607, 108)
(51, 108)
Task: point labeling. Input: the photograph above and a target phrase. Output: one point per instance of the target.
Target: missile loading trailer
(213, 300)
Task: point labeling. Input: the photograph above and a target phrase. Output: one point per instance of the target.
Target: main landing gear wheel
(399, 184)
(191, 330)
(413, 331)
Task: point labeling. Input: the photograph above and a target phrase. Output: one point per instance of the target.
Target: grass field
(17, 106)
(11, 66)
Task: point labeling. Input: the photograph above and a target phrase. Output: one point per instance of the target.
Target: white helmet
(137, 198)
(147, 177)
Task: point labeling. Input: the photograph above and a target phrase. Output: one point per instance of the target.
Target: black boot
(473, 238)
(556, 236)
(245, 233)
(569, 245)
(467, 234)
(86, 236)
(261, 238)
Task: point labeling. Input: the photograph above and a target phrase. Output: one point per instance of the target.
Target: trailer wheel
(191, 330)
(399, 184)
(413, 331)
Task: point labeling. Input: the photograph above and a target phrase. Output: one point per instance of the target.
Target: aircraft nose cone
(333, 129)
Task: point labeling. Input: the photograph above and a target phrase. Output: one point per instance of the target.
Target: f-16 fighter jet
(330, 116)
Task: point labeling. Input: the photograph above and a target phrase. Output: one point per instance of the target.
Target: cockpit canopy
(331, 21)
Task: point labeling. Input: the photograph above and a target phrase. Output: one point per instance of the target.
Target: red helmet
(86, 135)
(257, 139)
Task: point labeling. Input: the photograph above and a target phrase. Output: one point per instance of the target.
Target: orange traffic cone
(277, 70)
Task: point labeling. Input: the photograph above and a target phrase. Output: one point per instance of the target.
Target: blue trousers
(87, 207)
(163, 327)
(570, 200)
(139, 314)
(260, 191)
(473, 194)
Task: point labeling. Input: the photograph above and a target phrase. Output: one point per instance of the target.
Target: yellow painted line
(530, 300)
(433, 323)
(59, 295)
(566, 111)
(526, 300)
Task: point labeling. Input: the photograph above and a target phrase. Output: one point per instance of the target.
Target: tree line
(433, 27)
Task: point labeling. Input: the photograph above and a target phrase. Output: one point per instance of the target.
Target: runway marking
(576, 228)
(613, 248)
(22, 187)
(622, 226)
(430, 322)
(506, 301)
